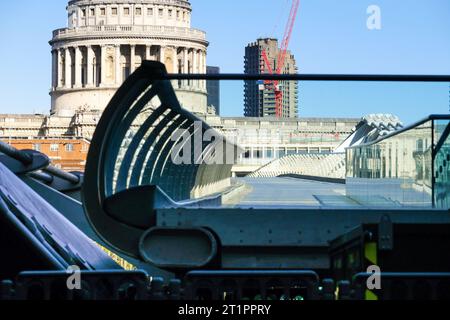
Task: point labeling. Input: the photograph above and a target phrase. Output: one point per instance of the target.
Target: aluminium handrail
(305, 77)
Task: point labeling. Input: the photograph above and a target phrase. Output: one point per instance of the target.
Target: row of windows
(270, 153)
(54, 147)
(138, 12)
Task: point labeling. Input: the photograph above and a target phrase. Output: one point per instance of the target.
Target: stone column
(175, 60)
(90, 66)
(117, 65)
(204, 61)
(132, 58)
(205, 55)
(195, 61)
(78, 66)
(148, 53)
(185, 61)
(185, 69)
(195, 66)
(161, 54)
(54, 69)
(200, 61)
(201, 69)
(68, 67)
(60, 69)
(103, 66)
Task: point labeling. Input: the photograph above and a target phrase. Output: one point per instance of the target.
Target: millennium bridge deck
(295, 193)
(288, 192)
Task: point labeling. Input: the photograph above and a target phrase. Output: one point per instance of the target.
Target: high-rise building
(259, 100)
(213, 89)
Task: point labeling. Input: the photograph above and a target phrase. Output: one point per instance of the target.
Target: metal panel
(300, 236)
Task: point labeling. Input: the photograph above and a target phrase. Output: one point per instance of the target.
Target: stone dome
(106, 40)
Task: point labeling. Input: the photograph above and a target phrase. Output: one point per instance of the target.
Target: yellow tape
(370, 253)
(371, 296)
(120, 261)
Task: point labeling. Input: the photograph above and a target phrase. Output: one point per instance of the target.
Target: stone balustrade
(128, 30)
(178, 3)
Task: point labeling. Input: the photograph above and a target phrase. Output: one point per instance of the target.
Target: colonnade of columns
(87, 66)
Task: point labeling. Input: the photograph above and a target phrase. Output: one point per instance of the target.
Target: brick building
(66, 154)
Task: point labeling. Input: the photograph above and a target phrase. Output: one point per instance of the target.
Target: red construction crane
(281, 59)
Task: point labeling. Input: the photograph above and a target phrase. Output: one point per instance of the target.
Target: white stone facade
(261, 139)
(28, 126)
(106, 40)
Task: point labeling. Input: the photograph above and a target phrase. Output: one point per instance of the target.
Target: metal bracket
(385, 234)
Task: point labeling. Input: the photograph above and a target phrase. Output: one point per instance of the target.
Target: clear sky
(329, 37)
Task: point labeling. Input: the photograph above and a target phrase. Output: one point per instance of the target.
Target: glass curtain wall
(407, 169)
(442, 164)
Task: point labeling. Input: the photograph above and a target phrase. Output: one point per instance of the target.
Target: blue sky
(329, 37)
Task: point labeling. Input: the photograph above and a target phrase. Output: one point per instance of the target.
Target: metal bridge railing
(404, 286)
(148, 152)
(252, 285)
(223, 286)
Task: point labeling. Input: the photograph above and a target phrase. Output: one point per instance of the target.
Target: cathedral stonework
(106, 40)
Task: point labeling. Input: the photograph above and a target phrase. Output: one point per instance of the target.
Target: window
(37, 147)
(69, 147)
(170, 14)
(54, 147)
(161, 12)
(114, 11)
(291, 151)
(103, 11)
(150, 11)
(92, 12)
(126, 11)
(125, 71)
(83, 13)
(257, 154)
(303, 150)
(178, 14)
(138, 11)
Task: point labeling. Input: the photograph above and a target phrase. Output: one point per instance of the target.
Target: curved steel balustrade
(133, 168)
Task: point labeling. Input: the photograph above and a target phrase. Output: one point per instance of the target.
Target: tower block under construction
(259, 99)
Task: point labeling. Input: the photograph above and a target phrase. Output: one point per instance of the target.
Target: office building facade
(213, 89)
